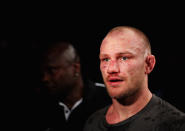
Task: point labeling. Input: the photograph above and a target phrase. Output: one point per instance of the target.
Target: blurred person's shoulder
(97, 94)
(95, 89)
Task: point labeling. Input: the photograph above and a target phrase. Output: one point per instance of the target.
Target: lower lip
(115, 83)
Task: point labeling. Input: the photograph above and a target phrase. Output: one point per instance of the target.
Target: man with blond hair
(125, 63)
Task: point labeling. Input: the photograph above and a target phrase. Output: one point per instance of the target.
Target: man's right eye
(105, 59)
(52, 70)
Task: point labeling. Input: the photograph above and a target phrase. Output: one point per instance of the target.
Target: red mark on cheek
(103, 68)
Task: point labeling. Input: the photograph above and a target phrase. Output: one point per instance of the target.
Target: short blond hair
(138, 32)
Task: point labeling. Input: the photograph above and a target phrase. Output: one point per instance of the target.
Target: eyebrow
(103, 55)
(125, 53)
(117, 54)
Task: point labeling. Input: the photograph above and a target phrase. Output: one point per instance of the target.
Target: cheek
(129, 68)
(132, 69)
(125, 67)
(60, 76)
(103, 67)
(136, 69)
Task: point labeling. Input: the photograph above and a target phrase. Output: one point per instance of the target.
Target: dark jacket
(51, 116)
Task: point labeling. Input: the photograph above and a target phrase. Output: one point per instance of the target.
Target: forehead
(60, 55)
(54, 60)
(119, 42)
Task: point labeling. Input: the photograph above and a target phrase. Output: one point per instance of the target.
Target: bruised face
(58, 73)
(122, 64)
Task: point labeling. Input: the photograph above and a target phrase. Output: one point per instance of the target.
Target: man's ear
(77, 69)
(150, 63)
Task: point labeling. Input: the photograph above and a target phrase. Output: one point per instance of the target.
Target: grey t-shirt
(157, 115)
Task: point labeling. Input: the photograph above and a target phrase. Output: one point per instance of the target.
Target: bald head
(60, 69)
(131, 33)
(62, 51)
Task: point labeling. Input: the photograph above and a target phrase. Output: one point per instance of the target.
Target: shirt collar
(67, 111)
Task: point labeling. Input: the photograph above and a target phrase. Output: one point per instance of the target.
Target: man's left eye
(124, 58)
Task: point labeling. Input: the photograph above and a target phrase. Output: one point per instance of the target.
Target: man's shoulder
(166, 108)
(175, 124)
(165, 115)
(161, 108)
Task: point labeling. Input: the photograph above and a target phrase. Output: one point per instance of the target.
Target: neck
(121, 110)
(74, 95)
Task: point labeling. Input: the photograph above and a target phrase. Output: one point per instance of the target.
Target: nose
(45, 77)
(113, 67)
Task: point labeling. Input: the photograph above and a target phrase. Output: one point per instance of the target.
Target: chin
(116, 93)
(121, 94)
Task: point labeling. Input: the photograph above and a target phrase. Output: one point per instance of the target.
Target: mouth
(114, 81)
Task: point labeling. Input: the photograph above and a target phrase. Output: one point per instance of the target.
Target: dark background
(20, 48)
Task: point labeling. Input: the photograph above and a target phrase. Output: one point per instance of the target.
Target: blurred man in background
(69, 97)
